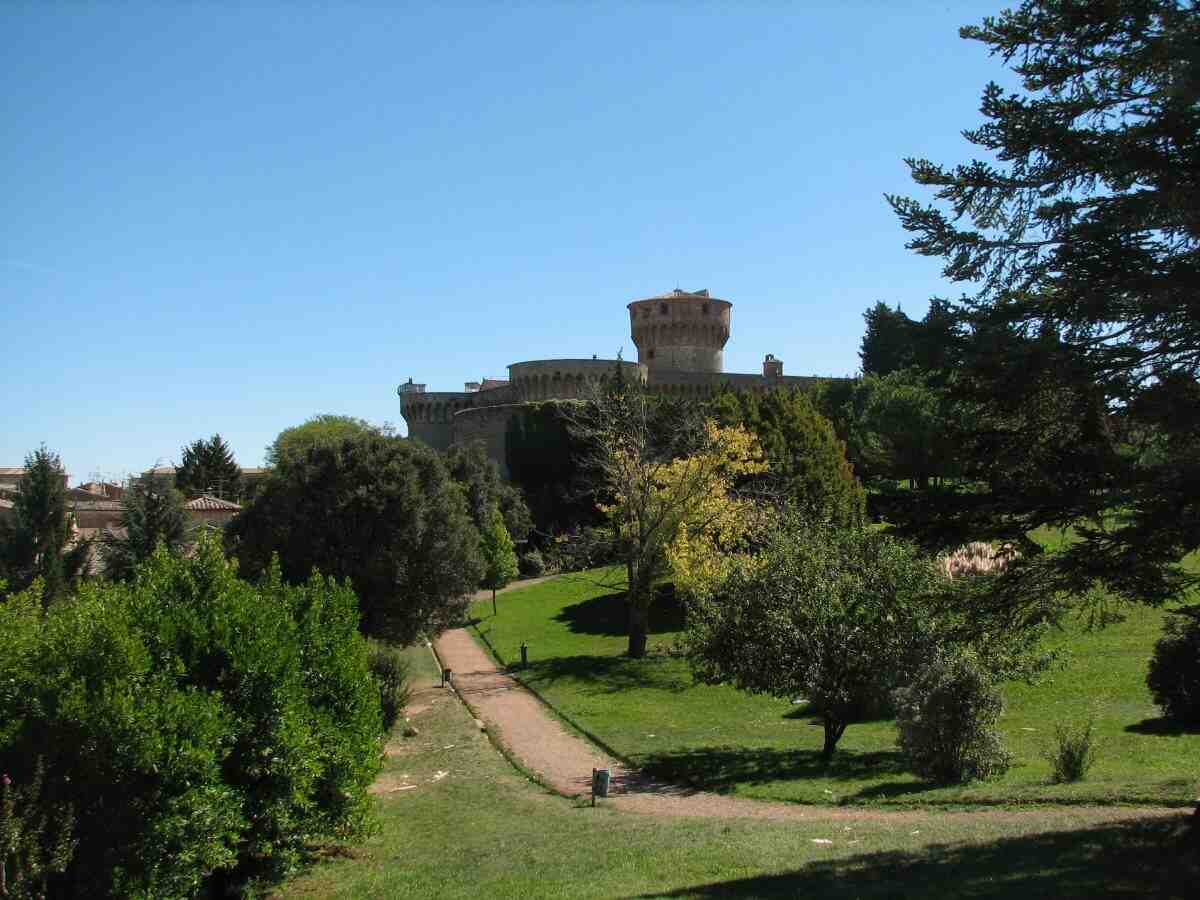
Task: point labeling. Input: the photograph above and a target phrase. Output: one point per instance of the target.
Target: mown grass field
(650, 712)
(474, 827)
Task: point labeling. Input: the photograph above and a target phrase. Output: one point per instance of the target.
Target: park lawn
(650, 712)
(483, 830)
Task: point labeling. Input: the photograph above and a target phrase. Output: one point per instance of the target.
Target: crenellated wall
(430, 416)
(680, 338)
(563, 379)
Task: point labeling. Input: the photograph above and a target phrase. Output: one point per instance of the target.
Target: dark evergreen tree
(379, 510)
(151, 514)
(1083, 242)
(40, 541)
(889, 341)
(208, 467)
(808, 465)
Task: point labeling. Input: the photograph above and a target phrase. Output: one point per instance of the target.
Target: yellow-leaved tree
(667, 477)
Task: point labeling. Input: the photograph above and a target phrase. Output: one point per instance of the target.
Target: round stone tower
(682, 330)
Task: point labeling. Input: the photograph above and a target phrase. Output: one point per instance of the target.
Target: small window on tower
(649, 354)
(662, 308)
(704, 309)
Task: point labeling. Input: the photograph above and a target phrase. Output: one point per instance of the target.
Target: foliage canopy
(378, 510)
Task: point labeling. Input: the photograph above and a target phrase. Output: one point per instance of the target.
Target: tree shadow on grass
(608, 615)
(1152, 857)
(720, 769)
(607, 674)
(1162, 726)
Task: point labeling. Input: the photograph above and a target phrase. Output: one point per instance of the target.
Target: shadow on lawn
(608, 674)
(1149, 857)
(608, 615)
(1162, 726)
(720, 769)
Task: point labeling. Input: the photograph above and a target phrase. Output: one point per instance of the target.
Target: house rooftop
(205, 503)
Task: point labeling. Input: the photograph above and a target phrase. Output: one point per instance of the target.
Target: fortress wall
(488, 424)
(562, 379)
(430, 416)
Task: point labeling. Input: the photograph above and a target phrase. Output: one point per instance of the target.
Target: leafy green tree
(39, 543)
(151, 514)
(1082, 242)
(480, 477)
(499, 556)
(376, 509)
(900, 426)
(325, 428)
(807, 462)
(663, 470)
(838, 616)
(208, 467)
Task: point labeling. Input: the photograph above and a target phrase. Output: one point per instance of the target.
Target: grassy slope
(484, 831)
(650, 712)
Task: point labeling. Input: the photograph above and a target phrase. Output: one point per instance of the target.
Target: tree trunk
(493, 601)
(639, 626)
(833, 733)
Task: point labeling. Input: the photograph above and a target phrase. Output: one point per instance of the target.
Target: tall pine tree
(208, 467)
(40, 541)
(1080, 232)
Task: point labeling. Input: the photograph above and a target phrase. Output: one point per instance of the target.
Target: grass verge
(457, 821)
(649, 712)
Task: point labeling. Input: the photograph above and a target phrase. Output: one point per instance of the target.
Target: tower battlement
(682, 331)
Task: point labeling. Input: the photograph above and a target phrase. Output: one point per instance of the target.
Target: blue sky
(228, 220)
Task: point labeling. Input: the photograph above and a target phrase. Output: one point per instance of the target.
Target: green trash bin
(600, 779)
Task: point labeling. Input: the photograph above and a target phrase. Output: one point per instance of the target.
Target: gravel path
(563, 761)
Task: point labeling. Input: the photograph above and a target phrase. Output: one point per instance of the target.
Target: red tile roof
(206, 503)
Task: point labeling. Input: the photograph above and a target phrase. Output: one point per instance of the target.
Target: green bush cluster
(582, 548)
(202, 729)
(946, 719)
(532, 564)
(390, 671)
(1174, 675)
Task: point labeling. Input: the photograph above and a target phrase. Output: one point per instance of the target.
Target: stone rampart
(563, 379)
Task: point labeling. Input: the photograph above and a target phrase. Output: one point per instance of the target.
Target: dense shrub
(36, 837)
(1174, 676)
(946, 718)
(532, 564)
(202, 729)
(583, 548)
(1073, 753)
(391, 676)
(379, 510)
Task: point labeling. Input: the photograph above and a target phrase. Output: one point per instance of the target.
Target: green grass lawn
(482, 830)
(650, 713)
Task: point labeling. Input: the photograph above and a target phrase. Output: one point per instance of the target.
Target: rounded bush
(532, 564)
(1174, 675)
(947, 718)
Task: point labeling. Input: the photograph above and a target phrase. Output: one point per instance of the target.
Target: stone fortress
(680, 339)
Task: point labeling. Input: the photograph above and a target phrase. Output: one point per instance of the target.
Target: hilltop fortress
(680, 339)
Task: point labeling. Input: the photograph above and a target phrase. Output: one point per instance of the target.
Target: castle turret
(684, 331)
